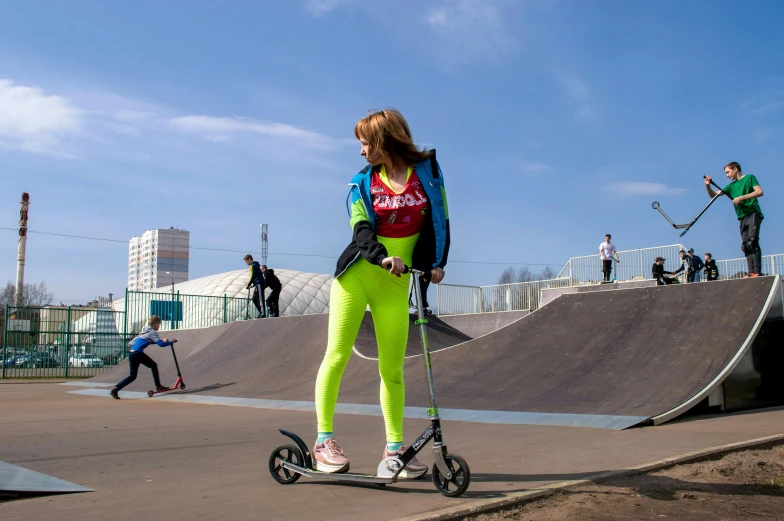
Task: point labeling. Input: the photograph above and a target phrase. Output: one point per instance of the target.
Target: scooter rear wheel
(150, 393)
(288, 453)
(461, 476)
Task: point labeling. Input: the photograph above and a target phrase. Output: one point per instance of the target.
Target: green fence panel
(57, 342)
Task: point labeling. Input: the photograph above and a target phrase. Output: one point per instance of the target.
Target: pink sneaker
(413, 470)
(329, 457)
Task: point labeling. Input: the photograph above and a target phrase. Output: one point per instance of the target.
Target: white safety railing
(632, 265)
(461, 300)
(737, 268)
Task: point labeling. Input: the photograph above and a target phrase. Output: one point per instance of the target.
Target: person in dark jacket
(658, 272)
(686, 266)
(696, 266)
(257, 281)
(711, 270)
(273, 283)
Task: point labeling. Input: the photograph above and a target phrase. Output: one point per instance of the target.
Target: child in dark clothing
(711, 270)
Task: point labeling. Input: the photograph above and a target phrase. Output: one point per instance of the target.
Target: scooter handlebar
(406, 269)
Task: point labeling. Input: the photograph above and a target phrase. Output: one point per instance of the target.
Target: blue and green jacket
(432, 247)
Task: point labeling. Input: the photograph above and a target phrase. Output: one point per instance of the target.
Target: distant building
(157, 259)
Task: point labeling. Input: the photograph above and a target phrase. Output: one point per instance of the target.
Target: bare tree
(508, 276)
(36, 295)
(547, 274)
(524, 275)
(8, 294)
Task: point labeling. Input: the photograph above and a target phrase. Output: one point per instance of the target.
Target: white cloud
(534, 168)
(765, 102)
(454, 31)
(223, 129)
(468, 30)
(34, 121)
(580, 94)
(639, 188)
(322, 7)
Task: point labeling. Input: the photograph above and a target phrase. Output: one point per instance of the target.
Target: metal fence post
(125, 320)
(176, 308)
(224, 308)
(5, 331)
(67, 339)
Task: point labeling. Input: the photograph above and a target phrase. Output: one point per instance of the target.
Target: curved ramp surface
(626, 355)
(608, 359)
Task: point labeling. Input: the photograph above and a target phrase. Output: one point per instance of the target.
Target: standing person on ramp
(257, 281)
(607, 251)
(398, 215)
(273, 283)
(744, 190)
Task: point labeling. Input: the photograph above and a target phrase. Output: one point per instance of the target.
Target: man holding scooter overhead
(744, 191)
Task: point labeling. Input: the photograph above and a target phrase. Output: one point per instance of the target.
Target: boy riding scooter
(137, 357)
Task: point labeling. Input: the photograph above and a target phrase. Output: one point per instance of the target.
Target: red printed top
(400, 214)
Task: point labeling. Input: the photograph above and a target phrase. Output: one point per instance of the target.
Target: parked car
(85, 360)
(37, 359)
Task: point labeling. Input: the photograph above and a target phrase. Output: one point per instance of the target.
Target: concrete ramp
(19, 480)
(607, 359)
(628, 355)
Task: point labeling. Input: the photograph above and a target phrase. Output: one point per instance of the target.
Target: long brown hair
(387, 131)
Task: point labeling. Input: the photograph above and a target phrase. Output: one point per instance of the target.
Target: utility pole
(264, 243)
(21, 251)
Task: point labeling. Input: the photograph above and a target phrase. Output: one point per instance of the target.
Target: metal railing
(632, 265)
(519, 296)
(737, 268)
(179, 311)
(47, 342)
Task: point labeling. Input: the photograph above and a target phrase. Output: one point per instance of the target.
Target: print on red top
(400, 215)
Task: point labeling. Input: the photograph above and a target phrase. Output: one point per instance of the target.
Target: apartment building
(158, 258)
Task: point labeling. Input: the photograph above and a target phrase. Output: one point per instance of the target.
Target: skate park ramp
(234, 359)
(16, 480)
(548, 295)
(605, 359)
(442, 332)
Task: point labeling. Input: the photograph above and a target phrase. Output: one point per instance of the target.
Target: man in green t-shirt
(744, 191)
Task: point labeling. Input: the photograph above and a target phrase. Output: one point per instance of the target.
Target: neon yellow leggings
(361, 285)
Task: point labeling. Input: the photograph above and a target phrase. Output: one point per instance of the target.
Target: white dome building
(221, 298)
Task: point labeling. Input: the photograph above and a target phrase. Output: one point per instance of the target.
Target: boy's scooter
(179, 384)
(451, 474)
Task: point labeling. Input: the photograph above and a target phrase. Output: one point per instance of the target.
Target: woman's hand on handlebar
(394, 265)
(436, 275)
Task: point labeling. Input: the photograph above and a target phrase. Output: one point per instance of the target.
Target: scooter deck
(344, 476)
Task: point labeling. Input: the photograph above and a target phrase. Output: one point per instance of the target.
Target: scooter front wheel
(461, 476)
(288, 453)
(182, 386)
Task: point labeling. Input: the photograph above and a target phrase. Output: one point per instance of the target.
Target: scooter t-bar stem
(421, 321)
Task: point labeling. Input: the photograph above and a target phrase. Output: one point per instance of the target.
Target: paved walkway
(149, 459)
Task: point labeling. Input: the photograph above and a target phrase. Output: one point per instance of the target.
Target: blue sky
(555, 122)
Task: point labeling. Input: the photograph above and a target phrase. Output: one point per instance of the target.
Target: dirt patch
(739, 486)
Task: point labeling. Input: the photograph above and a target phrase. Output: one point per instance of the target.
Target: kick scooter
(687, 227)
(179, 384)
(451, 475)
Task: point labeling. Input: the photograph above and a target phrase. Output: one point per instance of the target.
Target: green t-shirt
(744, 186)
